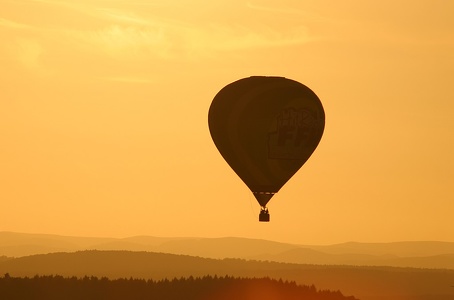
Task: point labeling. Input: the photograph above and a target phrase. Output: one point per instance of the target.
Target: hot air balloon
(266, 128)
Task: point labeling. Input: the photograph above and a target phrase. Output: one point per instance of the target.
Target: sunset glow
(104, 107)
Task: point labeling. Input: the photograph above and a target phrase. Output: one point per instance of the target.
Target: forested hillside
(205, 288)
(365, 283)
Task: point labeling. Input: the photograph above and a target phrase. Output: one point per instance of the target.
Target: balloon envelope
(266, 128)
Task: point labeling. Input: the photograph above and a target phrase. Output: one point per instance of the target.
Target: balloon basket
(264, 216)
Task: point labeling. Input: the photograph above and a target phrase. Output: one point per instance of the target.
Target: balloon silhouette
(266, 128)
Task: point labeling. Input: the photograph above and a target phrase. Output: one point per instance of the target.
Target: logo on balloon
(291, 132)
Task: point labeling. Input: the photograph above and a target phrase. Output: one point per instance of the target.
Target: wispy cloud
(123, 17)
(308, 16)
(226, 38)
(133, 32)
(13, 25)
(122, 41)
(28, 52)
(168, 38)
(87, 32)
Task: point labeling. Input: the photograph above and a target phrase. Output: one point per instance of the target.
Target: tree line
(190, 288)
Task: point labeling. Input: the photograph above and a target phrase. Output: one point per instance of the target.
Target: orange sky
(104, 104)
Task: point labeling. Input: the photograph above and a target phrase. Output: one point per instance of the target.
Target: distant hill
(429, 254)
(22, 244)
(366, 283)
(310, 256)
(403, 249)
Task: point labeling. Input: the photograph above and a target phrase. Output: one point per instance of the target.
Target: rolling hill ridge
(367, 283)
(429, 254)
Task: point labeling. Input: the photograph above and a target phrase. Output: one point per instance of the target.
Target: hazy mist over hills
(427, 254)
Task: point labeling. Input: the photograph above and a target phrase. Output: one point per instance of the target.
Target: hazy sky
(104, 107)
